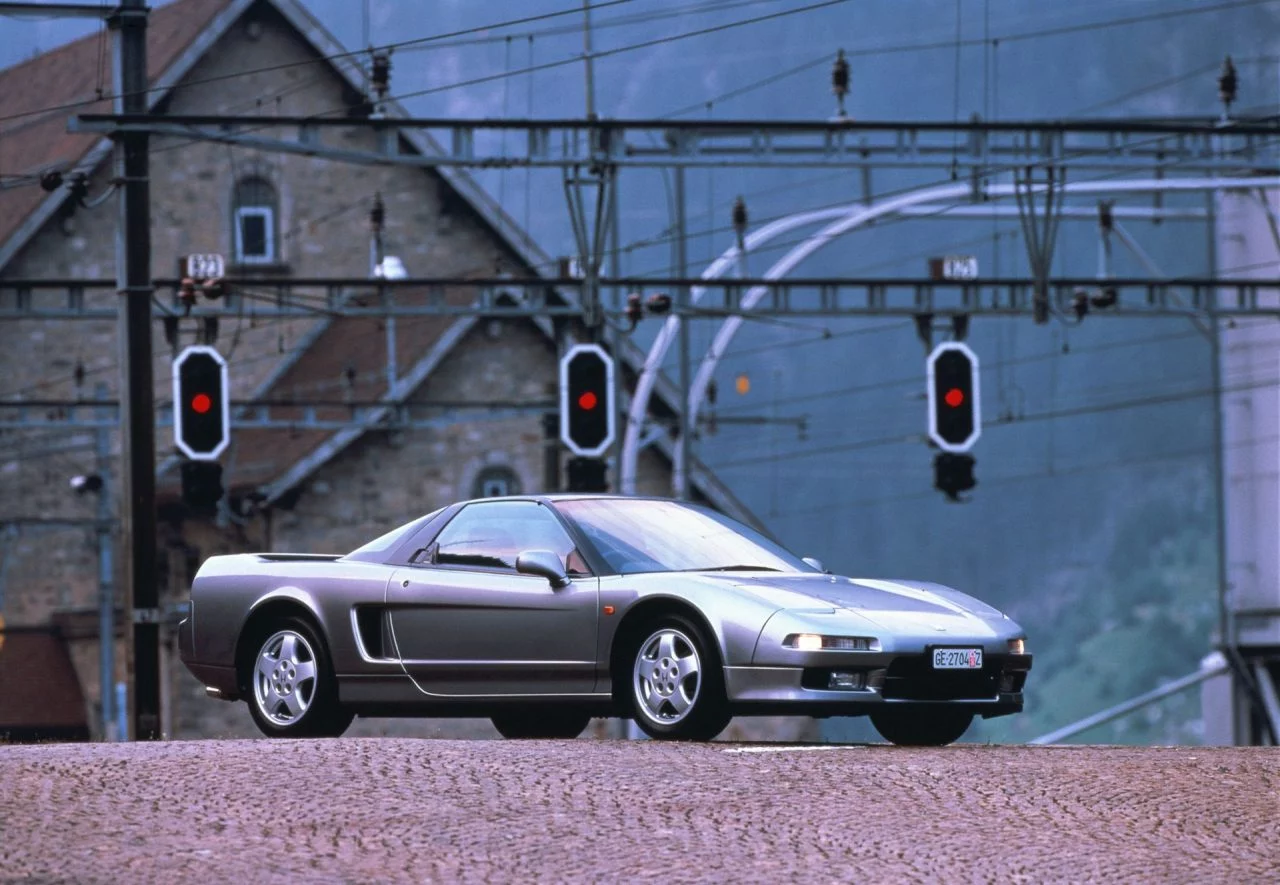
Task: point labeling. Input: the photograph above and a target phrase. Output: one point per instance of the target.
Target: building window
(254, 222)
(495, 482)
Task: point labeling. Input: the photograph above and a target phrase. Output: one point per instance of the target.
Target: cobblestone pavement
(395, 810)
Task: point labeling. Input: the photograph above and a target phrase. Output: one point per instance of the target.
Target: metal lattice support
(844, 220)
(970, 149)
(1040, 227)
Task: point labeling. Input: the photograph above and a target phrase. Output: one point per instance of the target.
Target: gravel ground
(393, 810)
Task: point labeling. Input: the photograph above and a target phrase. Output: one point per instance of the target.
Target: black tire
(316, 712)
(655, 696)
(921, 727)
(545, 724)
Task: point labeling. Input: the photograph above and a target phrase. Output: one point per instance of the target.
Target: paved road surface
(387, 810)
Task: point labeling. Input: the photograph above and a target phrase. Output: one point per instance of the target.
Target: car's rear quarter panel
(228, 590)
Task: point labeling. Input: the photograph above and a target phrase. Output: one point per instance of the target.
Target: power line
(1066, 471)
(1135, 403)
(606, 53)
(1165, 84)
(867, 51)
(918, 379)
(575, 10)
(1058, 31)
(751, 87)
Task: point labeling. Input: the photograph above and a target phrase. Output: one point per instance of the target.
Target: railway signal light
(955, 416)
(586, 400)
(201, 403)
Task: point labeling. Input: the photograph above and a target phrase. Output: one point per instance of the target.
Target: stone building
(276, 217)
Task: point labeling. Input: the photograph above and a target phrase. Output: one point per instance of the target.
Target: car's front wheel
(677, 683)
(547, 724)
(921, 727)
(292, 690)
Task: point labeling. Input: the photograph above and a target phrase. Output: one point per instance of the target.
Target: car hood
(893, 604)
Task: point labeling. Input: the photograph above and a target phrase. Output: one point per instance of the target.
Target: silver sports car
(541, 612)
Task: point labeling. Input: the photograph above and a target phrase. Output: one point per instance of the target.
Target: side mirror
(543, 563)
(816, 563)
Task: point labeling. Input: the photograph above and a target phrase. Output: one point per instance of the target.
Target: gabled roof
(53, 85)
(179, 34)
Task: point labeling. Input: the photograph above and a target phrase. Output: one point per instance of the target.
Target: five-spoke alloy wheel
(284, 678)
(292, 692)
(677, 684)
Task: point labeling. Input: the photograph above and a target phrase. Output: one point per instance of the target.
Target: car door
(466, 624)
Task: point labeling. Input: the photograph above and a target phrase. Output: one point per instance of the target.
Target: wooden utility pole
(133, 276)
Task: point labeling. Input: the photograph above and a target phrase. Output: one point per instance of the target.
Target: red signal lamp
(954, 398)
(588, 401)
(201, 403)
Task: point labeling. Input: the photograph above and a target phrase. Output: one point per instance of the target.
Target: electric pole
(133, 276)
(106, 582)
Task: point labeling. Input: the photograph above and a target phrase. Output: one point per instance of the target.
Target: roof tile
(64, 81)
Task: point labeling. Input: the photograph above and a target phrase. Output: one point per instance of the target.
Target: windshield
(384, 543)
(635, 535)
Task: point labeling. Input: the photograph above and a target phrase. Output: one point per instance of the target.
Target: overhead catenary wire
(1067, 471)
(900, 438)
(864, 51)
(337, 56)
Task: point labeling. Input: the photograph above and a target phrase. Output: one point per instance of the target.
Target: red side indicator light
(588, 401)
(200, 403)
(954, 397)
(608, 609)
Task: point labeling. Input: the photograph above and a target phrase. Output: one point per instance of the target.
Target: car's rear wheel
(291, 688)
(541, 724)
(676, 682)
(921, 727)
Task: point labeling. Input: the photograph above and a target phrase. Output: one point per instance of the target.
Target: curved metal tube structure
(848, 218)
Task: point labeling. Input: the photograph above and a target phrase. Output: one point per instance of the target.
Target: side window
(254, 217)
(491, 535)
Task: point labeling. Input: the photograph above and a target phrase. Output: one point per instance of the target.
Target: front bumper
(891, 679)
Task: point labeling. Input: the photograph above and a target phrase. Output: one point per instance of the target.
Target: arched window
(254, 225)
(495, 481)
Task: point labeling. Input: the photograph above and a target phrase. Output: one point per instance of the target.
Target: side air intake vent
(369, 622)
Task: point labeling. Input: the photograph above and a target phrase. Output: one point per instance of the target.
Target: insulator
(50, 181)
(187, 294)
(1228, 83)
(378, 214)
(739, 216)
(840, 76)
(658, 303)
(79, 187)
(380, 75)
(1105, 220)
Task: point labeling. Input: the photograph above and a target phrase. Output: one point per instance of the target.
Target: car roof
(553, 497)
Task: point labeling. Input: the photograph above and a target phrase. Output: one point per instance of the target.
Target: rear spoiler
(298, 557)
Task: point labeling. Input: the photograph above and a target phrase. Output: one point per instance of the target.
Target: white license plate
(957, 659)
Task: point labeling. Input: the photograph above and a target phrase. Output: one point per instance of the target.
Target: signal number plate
(957, 659)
